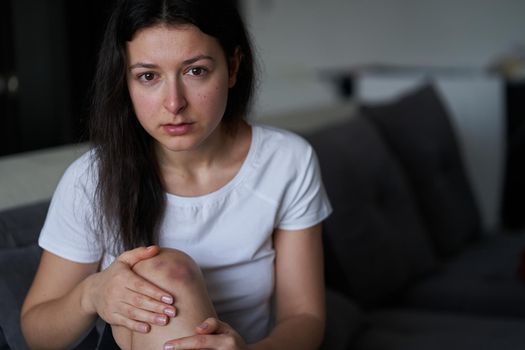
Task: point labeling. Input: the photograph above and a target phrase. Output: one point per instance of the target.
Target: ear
(235, 62)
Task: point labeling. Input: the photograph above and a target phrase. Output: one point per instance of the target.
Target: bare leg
(178, 274)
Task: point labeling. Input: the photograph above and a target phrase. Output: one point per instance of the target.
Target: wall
(297, 40)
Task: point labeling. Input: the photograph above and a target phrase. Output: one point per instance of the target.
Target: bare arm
(299, 292)
(52, 316)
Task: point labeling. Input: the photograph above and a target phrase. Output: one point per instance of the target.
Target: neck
(216, 148)
(206, 170)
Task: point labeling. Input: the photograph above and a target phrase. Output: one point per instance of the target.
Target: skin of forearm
(58, 323)
(301, 332)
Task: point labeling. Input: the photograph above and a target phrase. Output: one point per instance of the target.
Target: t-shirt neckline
(230, 185)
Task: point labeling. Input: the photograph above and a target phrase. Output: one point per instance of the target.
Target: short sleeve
(305, 203)
(68, 230)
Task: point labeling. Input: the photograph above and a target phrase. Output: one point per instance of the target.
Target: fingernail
(169, 347)
(143, 328)
(203, 325)
(150, 247)
(170, 312)
(167, 299)
(161, 320)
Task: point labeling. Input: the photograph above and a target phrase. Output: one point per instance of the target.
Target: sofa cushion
(405, 329)
(3, 341)
(21, 226)
(344, 321)
(374, 240)
(483, 280)
(418, 130)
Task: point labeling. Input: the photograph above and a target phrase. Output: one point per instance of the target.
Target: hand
(122, 298)
(211, 334)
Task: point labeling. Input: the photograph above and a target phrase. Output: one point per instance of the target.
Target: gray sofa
(405, 244)
(408, 265)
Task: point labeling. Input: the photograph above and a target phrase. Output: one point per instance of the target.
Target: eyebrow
(186, 62)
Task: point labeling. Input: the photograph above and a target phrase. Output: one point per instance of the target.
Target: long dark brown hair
(130, 199)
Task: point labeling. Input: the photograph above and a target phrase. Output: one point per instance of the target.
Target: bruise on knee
(170, 268)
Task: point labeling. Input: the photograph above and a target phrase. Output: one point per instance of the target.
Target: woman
(237, 208)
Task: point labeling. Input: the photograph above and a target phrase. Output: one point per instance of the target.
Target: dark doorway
(47, 58)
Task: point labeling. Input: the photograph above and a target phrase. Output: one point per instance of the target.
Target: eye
(197, 71)
(148, 76)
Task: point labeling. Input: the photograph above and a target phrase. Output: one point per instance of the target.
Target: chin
(178, 145)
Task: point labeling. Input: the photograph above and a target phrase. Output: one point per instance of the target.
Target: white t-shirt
(227, 232)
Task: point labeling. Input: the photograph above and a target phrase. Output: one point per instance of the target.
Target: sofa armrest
(17, 268)
(19, 257)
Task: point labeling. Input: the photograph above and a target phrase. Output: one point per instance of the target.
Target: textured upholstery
(21, 226)
(19, 258)
(344, 320)
(483, 280)
(374, 239)
(418, 130)
(404, 329)
(14, 285)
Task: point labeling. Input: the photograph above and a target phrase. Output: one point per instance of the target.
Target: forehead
(162, 42)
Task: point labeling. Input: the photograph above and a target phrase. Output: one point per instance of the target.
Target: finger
(130, 324)
(140, 315)
(200, 341)
(139, 285)
(132, 257)
(212, 326)
(146, 303)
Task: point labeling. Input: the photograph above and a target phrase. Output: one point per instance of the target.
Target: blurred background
(47, 57)
(304, 45)
(316, 59)
(305, 48)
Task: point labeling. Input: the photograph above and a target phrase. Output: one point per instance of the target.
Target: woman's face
(178, 79)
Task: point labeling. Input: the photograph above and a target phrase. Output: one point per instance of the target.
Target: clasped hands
(122, 298)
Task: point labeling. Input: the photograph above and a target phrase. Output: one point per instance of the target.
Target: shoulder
(271, 133)
(289, 174)
(80, 174)
(280, 143)
(83, 163)
(281, 158)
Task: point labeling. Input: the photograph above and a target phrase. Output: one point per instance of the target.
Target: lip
(177, 129)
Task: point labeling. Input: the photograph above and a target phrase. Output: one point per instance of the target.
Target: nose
(175, 101)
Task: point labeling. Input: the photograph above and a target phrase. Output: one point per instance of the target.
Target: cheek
(142, 104)
(214, 98)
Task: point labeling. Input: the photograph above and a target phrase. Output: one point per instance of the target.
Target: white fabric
(227, 232)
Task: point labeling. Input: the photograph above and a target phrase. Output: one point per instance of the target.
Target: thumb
(131, 257)
(212, 326)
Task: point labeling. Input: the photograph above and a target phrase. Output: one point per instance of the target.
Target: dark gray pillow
(418, 131)
(374, 240)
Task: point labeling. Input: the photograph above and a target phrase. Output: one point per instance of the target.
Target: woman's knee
(176, 273)
(170, 268)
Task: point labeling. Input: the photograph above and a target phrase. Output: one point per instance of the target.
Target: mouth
(177, 129)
